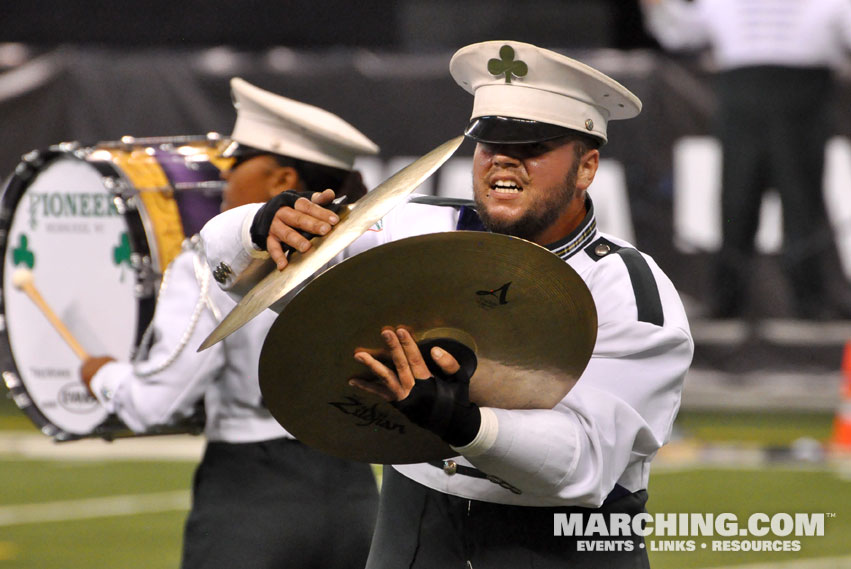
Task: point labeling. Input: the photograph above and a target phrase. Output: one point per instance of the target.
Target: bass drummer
(260, 498)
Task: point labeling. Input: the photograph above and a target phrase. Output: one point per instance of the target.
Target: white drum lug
(213, 139)
(31, 156)
(11, 380)
(120, 205)
(22, 400)
(146, 279)
(29, 165)
(70, 146)
(58, 436)
(116, 186)
(144, 289)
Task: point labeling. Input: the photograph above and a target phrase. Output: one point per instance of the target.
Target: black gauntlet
(442, 403)
(264, 216)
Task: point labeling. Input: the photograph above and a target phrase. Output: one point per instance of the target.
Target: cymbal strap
(464, 355)
(441, 403)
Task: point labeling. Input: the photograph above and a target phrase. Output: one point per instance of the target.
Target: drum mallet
(23, 280)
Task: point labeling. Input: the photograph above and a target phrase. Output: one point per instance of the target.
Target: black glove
(263, 218)
(441, 403)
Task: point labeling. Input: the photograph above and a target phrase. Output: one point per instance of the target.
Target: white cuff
(245, 237)
(104, 383)
(485, 438)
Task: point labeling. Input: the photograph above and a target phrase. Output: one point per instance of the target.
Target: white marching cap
(527, 94)
(279, 125)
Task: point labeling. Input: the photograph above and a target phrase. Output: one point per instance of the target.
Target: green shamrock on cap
(506, 64)
(22, 254)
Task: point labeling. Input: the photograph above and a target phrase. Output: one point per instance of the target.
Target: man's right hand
(285, 225)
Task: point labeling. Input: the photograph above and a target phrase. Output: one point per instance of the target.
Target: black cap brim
(509, 130)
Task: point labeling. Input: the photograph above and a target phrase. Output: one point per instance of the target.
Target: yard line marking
(699, 467)
(15, 444)
(123, 505)
(811, 563)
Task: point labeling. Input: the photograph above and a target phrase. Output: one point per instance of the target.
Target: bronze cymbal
(355, 220)
(528, 316)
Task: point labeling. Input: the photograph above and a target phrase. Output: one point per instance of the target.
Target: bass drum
(96, 227)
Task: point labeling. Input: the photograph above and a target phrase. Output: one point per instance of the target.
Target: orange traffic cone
(842, 423)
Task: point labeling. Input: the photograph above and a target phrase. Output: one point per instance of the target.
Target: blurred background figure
(261, 499)
(774, 88)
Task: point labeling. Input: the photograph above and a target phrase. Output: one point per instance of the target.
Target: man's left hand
(436, 401)
(394, 385)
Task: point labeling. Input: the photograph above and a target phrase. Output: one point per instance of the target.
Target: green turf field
(766, 428)
(770, 490)
(152, 540)
(128, 514)
(110, 540)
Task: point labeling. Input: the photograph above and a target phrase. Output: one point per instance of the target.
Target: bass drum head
(66, 230)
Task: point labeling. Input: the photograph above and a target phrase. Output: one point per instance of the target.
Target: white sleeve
(237, 265)
(620, 412)
(676, 24)
(227, 245)
(843, 24)
(142, 394)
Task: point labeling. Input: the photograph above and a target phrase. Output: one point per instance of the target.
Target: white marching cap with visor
(271, 123)
(527, 94)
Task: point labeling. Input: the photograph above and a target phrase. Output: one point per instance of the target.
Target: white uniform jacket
(165, 385)
(815, 33)
(610, 425)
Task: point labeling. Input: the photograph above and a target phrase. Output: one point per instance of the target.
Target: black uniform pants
(420, 528)
(773, 124)
(279, 505)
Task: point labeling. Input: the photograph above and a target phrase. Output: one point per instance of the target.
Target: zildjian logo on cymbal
(369, 415)
(501, 294)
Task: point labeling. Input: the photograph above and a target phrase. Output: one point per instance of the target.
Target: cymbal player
(539, 120)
